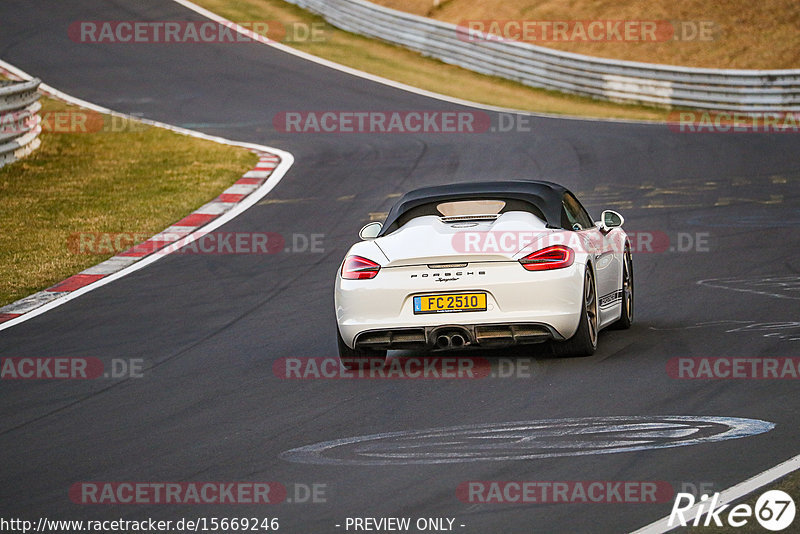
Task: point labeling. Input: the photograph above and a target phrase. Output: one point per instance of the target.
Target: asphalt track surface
(209, 327)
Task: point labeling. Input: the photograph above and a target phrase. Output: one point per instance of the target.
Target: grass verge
(138, 180)
(402, 65)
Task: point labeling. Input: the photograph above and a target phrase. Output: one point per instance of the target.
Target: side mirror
(610, 219)
(370, 230)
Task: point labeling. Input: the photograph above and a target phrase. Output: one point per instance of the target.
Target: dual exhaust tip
(450, 341)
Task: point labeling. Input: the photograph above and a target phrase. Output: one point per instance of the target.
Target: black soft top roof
(546, 197)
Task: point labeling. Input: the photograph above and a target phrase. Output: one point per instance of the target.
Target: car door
(607, 263)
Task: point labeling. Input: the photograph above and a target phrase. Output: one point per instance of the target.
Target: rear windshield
(488, 206)
(470, 207)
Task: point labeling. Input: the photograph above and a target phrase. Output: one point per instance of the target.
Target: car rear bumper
(523, 307)
(455, 336)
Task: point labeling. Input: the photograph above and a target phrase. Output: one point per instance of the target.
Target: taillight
(555, 257)
(358, 268)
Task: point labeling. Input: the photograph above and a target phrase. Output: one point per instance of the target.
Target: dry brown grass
(748, 35)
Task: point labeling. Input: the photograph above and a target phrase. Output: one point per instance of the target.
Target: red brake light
(555, 257)
(358, 268)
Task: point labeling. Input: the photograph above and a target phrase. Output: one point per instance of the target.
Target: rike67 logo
(774, 510)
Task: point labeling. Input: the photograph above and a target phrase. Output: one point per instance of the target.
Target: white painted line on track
(537, 439)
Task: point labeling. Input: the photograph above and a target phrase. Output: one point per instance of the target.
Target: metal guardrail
(608, 79)
(20, 124)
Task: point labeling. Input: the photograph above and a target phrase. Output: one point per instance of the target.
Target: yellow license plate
(450, 302)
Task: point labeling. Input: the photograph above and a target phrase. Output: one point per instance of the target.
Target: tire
(584, 341)
(359, 358)
(626, 318)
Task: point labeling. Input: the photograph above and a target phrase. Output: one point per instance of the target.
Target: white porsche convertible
(484, 264)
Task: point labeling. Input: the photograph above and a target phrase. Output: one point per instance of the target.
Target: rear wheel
(626, 318)
(584, 341)
(359, 358)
